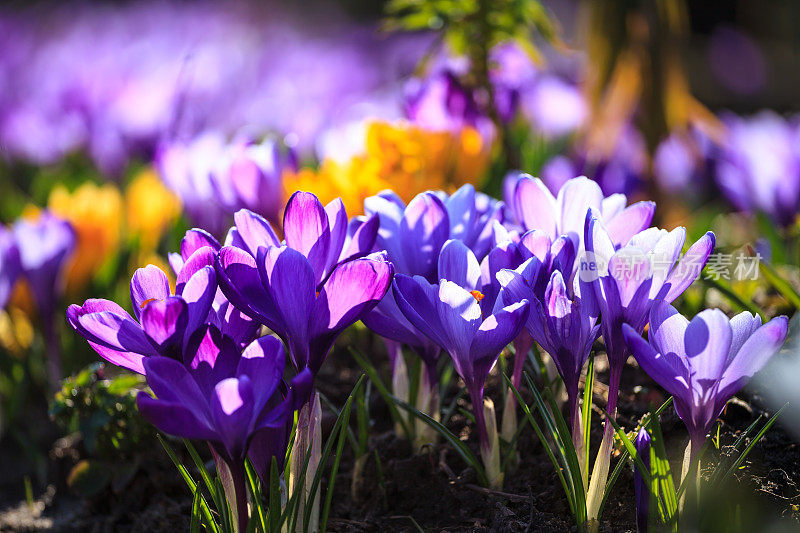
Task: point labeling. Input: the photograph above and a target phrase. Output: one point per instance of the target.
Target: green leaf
(446, 434)
(753, 442)
(586, 409)
(334, 470)
(257, 496)
(727, 291)
(660, 470)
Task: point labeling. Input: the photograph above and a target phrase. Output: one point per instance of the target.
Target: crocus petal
(172, 382)
(752, 356)
(690, 266)
(497, 331)
(337, 219)
(416, 299)
(461, 212)
(211, 356)
(292, 286)
(123, 340)
(575, 198)
(663, 255)
(173, 418)
(198, 293)
(613, 205)
(202, 257)
(148, 283)
(232, 405)
(627, 223)
(164, 321)
(457, 263)
(743, 325)
(460, 316)
(240, 282)
(667, 329)
(307, 230)
(656, 365)
(263, 361)
(707, 342)
(535, 206)
(423, 230)
(254, 230)
(194, 239)
(361, 239)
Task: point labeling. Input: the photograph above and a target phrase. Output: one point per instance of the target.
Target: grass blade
(586, 409)
(753, 442)
(545, 444)
(388, 398)
(257, 495)
(326, 452)
(335, 469)
(446, 434)
(187, 477)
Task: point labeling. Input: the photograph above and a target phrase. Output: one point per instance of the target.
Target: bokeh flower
(150, 209)
(95, 213)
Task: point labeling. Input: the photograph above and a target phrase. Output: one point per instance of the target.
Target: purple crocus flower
(534, 207)
(163, 323)
(280, 289)
(455, 315)
(187, 169)
(223, 396)
(322, 234)
(250, 176)
(641, 491)
(758, 168)
(440, 102)
(626, 282)
(413, 237)
(199, 249)
(9, 264)
(703, 362)
(44, 245)
(561, 322)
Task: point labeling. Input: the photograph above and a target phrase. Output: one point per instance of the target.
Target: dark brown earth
(433, 490)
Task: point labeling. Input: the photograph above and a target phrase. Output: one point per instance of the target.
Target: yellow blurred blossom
(151, 208)
(400, 156)
(16, 330)
(95, 213)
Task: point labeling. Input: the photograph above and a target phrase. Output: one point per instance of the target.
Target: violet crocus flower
(324, 235)
(440, 102)
(703, 362)
(199, 249)
(10, 266)
(535, 207)
(561, 322)
(627, 281)
(455, 315)
(223, 396)
(640, 488)
(44, 245)
(163, 323)
(758, 168)
(413, 236)
(280, 289)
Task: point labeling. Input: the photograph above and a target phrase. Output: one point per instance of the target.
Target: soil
(433, 490)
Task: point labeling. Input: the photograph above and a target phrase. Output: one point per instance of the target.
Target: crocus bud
(642, 444)
(490, 452)
(308, 439)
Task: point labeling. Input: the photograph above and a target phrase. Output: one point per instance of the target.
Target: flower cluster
(456, 273)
